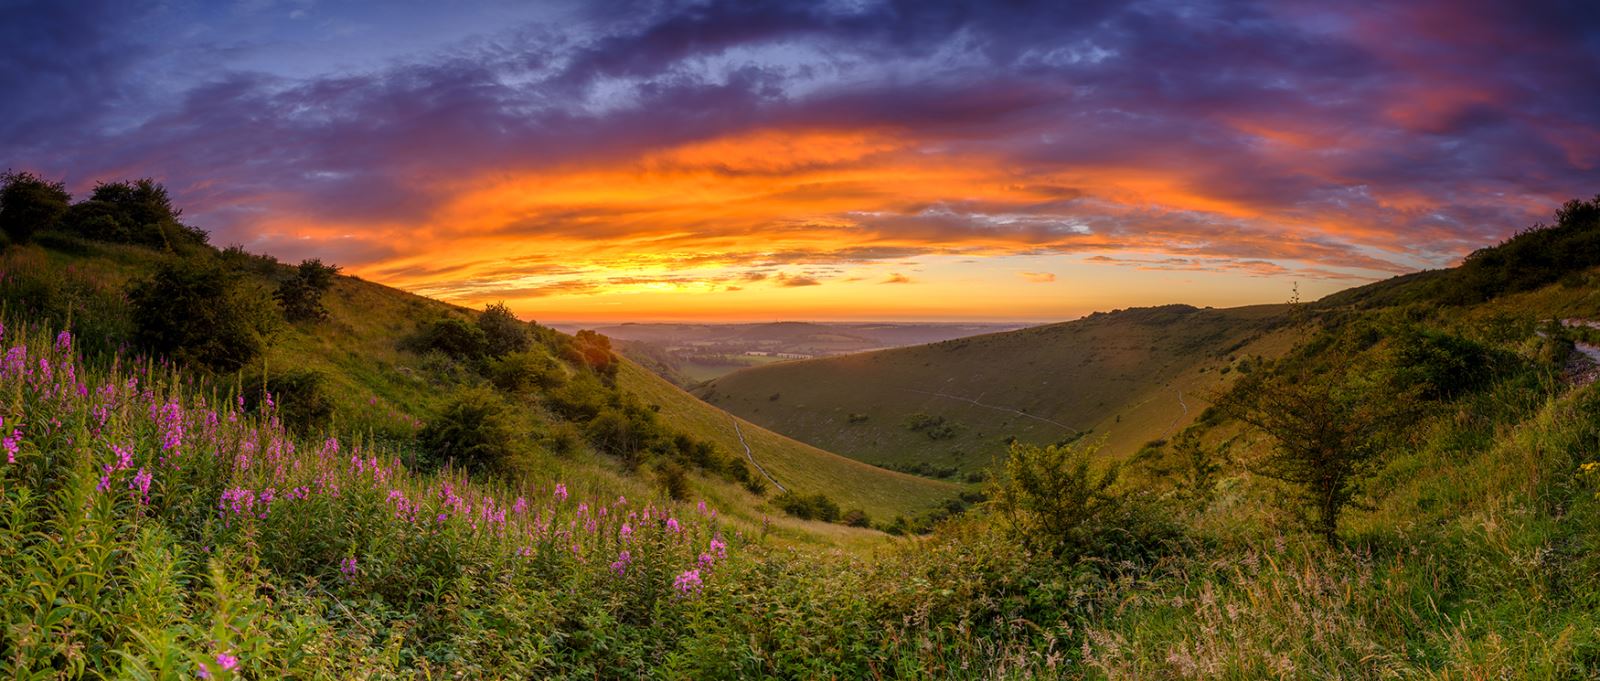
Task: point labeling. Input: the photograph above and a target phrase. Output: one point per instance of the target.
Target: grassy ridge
(882, 494)
(1119, 375)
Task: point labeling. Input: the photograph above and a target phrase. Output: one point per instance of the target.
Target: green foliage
(935, 427)
(674, 480)
(1532, 258)
(1051, 500)
(808, 507)
(1327, 435)
(503, 333)
(593, 351)
(194, 310)
(475, 432)
(30, 204)
(454, 337)
(526, 372)
(301, 295)
(1438, 365)
(136, 212)
(301, 400)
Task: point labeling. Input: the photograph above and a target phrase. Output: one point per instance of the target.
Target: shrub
(674, 479)
(29, 204)
(503, 333)
(301, 295)
(856, 517)
(137, 212)
(454, 337)
(593, 350)
(475, 431)
(1049, 498)
(814, 507)
(525, 372)
(935, 427)
(1438, 365)
(194, 310)
(301, 399)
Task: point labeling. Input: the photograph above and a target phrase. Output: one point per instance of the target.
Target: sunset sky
(830, 160)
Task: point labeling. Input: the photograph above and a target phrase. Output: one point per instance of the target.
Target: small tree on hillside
(1050, 498)
(502, 331)
(194, 310)
(28, 204)
(1326, 438)
(301, 295)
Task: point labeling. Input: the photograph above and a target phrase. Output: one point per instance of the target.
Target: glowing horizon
(828, 161)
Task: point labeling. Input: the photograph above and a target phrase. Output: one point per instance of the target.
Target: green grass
(1119, 375)
(796, 465)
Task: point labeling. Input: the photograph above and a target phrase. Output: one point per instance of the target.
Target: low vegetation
(1406, 489)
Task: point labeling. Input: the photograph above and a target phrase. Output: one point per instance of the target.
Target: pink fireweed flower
(141, 484)
(64, 341)
(673, 526)
(561, 492)
(719, 547)
(687, 583)
(626, 532)
(620, 565)
(227, 662)
(13, 444)
(520, 507)
(702, 507)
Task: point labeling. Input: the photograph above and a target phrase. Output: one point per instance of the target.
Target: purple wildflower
(141, 484)
(620, 565)
(688, 582)
(347, 567)
(227, 662)
(13, 443)
(561, 492)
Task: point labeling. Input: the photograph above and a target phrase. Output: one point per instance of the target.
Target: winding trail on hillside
(1179, 417)
(969, 400)
(752, 457)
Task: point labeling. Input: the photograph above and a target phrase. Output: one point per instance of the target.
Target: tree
(502, 331)
(300, 296)
(29, 204)
(1050, 498)
(1326, 437)
(194, 310)
(137, 212)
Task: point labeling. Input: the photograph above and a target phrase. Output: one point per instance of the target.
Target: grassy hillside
(1129, 376)
(379, 387)
(794, 465)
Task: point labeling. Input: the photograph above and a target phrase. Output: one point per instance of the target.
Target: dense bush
(526, 372)
(301, 295)
(138, 212)
(503, 333)
(193, 309)
(1052, 501)
(1540, 255)
(29, 204)
(935, 427)
(452, 336)
(1438, 365)
(808, 507)
(299, 398)
(475, 432)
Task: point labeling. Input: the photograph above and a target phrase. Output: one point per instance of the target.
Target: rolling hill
(379, 387)
(1129, 376)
